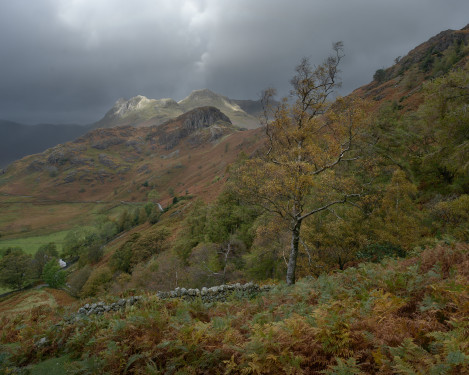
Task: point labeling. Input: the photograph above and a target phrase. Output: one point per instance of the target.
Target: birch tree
(309, 141)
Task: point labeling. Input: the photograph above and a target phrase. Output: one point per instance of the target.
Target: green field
(31, 244)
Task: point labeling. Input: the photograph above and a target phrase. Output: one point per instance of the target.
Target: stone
(208, 295)
(41, 342)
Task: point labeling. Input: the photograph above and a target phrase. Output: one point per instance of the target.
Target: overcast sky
(68, 61)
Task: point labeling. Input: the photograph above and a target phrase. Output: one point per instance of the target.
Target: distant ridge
(18, 140)
(142, 111)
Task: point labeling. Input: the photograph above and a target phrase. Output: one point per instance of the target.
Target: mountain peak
(123, 106)
(200, 95)
(142, 111)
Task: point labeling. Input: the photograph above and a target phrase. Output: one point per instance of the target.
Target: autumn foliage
(406, 316)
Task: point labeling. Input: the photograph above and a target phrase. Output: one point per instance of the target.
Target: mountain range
(141, 111)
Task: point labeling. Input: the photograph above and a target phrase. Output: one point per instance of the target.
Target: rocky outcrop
(203, 117)
(107, 161)
(108, 142)
(58, 156)
(36, 166)
(123, 107)
(171, 132)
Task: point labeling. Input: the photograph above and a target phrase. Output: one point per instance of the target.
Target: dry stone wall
(216, 293)
(220, 293)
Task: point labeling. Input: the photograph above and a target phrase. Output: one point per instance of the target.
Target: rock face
(123, 107)
(190, 123)
(203, 117)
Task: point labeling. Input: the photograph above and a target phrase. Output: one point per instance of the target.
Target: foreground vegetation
(399, 317)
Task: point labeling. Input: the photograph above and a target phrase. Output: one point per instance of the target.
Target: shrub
(96, 283)
(15, 268)
(53, 274)
(94, 253)
(454, 216)
(378, 251)
(380, 75)
(139, 248)
(78, 279)
(43, 255)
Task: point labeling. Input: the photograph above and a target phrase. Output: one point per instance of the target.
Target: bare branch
(325, 207)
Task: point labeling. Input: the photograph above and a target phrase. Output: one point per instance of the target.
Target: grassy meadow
(31, 244)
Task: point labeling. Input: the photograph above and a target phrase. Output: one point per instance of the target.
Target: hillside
(107, 166)
(400, 317)
(403, 81)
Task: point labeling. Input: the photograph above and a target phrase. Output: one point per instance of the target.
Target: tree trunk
(295, 239)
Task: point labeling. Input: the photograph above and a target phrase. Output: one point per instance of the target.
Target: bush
(43, 255)
(78, 241)
(454, 217)
(380, 75)
(53, 275)
(78, 280)
(96, 283)
(15, 268)
(95, 253)
(140, 248)
(378, 251)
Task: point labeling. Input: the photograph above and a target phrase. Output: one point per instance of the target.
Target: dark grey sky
(68, 61)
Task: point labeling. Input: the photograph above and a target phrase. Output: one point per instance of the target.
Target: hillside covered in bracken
(353, 212)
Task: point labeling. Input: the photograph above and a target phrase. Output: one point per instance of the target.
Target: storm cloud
(68, 61)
